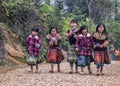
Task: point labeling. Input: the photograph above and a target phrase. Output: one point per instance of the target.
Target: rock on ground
(21, 77)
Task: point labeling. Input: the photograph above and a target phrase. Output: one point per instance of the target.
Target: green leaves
(20, 13)
(46, 9)
(8, 7)
(114, 31)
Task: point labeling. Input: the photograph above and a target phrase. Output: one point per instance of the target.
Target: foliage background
(22, 15)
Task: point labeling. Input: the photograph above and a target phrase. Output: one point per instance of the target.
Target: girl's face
(34, 33)
(101, 28)
(73, 24)
(84, 31)
(111, 46)
(53, 31)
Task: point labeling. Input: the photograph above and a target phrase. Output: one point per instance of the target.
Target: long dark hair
(104, 32)
(53, 28)
(82, 28)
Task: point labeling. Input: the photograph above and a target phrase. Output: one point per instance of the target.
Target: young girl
(101, 56)
(71, 36)
(33, 44)
(54, 54)
(84, 44)
(112, 52)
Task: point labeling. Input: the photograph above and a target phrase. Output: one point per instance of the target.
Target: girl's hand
(77, 49)
(94, 46)
(56, 42)
(58, 37)
(70, 33)
(101, 46)
(51, 43)
(105, 44)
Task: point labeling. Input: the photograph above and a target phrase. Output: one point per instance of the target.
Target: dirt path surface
(21, 77)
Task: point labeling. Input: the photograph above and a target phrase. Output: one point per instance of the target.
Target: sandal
(70, 72)
(36, 71)
(76, 72)
(30, 71)
(102, 73)
(51, 71)
(59, 71)
(82, 73)
(90, 72)
(97, 74)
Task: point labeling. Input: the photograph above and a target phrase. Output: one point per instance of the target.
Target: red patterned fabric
(54, 55)
(101, 57)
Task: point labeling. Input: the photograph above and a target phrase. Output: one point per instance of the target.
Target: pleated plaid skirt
(71, 54)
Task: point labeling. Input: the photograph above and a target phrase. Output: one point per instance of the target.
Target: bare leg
(71, 67)
(76, 68)
(59, 67)
(51, 71)
(89, 69)
(98, 69)
(82, 70)
(101, 70)
(31, 67)
(36, 68)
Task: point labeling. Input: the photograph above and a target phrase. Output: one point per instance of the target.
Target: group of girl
(82, 46)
